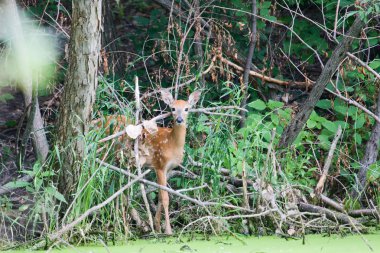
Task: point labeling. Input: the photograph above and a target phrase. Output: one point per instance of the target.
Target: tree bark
(294, 128)
(198, 42)
(370, 155)
(79, 92)
(248, 63)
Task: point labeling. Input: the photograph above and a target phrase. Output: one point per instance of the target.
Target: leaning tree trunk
(370, 155)
(79, 92)
(294, 128)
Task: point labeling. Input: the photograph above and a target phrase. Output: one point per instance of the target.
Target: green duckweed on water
(222, 244)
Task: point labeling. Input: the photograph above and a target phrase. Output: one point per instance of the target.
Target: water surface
(224, 244)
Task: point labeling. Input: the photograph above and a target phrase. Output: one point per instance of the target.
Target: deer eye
(186, 109)
(173, 109)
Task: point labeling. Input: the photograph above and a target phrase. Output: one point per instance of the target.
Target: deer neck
(178, 135)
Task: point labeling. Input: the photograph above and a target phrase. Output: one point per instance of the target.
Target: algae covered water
(223, 244)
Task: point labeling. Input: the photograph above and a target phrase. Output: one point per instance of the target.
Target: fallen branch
(364, 212)
(303, 85)
(232, 217)
(331, 215)
(354, 213)
(337, 206)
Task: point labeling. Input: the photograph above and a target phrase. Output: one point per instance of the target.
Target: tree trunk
(79, 93)
(370, 155)
(248, 63)
(198, 42)
(294, 128)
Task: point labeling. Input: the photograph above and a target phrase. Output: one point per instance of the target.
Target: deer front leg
(163, 202)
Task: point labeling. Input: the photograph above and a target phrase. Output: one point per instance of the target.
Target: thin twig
(356, 104)
(364, 65)
(336, 18)
(137, 155)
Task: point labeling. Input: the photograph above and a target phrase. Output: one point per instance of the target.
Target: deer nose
(179, 120)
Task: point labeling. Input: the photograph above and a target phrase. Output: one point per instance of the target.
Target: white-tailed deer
(164, 149)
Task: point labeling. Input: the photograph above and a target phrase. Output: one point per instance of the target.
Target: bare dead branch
(296, 84)
(320, 186)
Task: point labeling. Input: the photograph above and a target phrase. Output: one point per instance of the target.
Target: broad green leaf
(275, 119)
(266, 4)
(341, 109)
(375, 64)
(359, 122)
(257, 104)
(311, 124)
(272, 104)
(343, 124)
(358, 138)
(324, 139)
(324, 104)
(352, 111)
(331, 126)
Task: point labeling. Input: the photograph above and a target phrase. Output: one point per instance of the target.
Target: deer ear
(194, 97)
(167, 97)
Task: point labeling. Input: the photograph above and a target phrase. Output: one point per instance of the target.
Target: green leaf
(16, 184)
(272, 104)
(341, 109)
(257, 104)
(266, 5)
(375, 64)
(359, 123)
(56, 194)
(141, 21)
(311, 124)
(11, 123)
(373, 173)
(352, 111)
(324, 104)
(324, 139)
(275, 119)
(23, 208)
(6, 96)
(358, 138)
(331, 126)
(343, 124)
